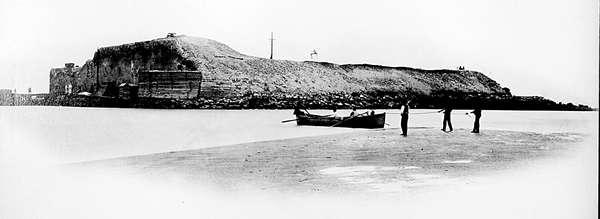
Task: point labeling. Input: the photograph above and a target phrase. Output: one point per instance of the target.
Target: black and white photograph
(299, 109)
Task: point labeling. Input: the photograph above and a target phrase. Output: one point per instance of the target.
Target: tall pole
(271, 45)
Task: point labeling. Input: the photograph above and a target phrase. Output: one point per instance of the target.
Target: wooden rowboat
(363, 121)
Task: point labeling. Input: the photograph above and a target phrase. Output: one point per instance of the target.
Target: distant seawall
(267, 101)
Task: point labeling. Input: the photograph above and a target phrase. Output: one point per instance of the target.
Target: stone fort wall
(104, 80)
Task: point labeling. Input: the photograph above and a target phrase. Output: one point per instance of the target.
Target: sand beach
(371, 160)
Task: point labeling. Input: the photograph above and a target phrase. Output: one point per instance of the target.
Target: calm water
(66, 134)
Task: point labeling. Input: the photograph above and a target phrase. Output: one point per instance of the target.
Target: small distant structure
(5, 91)
(63, 80)
(271, 39)
(169, 35)
(314, 55)
(128, 91)
(84, 93)
(168, 84)
(6, 97)
(461, 68)
(68, 89)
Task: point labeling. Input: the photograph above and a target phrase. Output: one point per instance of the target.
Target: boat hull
(371, 121)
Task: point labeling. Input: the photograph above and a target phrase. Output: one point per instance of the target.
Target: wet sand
(372, 161)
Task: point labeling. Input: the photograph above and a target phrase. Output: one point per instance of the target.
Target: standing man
(297, 110)
(477, 113)
(447, 112)
(353, 113)
(404, 118)
(335, 113)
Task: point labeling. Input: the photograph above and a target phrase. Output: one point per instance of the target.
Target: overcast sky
(534, 47)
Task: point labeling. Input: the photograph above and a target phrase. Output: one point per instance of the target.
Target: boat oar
(291, 120)
(425, 113)
(414, 113)
(340, 122)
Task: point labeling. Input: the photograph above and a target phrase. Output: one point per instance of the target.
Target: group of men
(404, 111)
(353, 113)
(298, 111)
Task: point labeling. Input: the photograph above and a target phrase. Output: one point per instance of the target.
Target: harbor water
(71, 134)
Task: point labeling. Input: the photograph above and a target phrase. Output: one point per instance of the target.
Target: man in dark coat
(353, 113)
(297, 110)
(404, 119)
(447, 112)
(477, 113)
